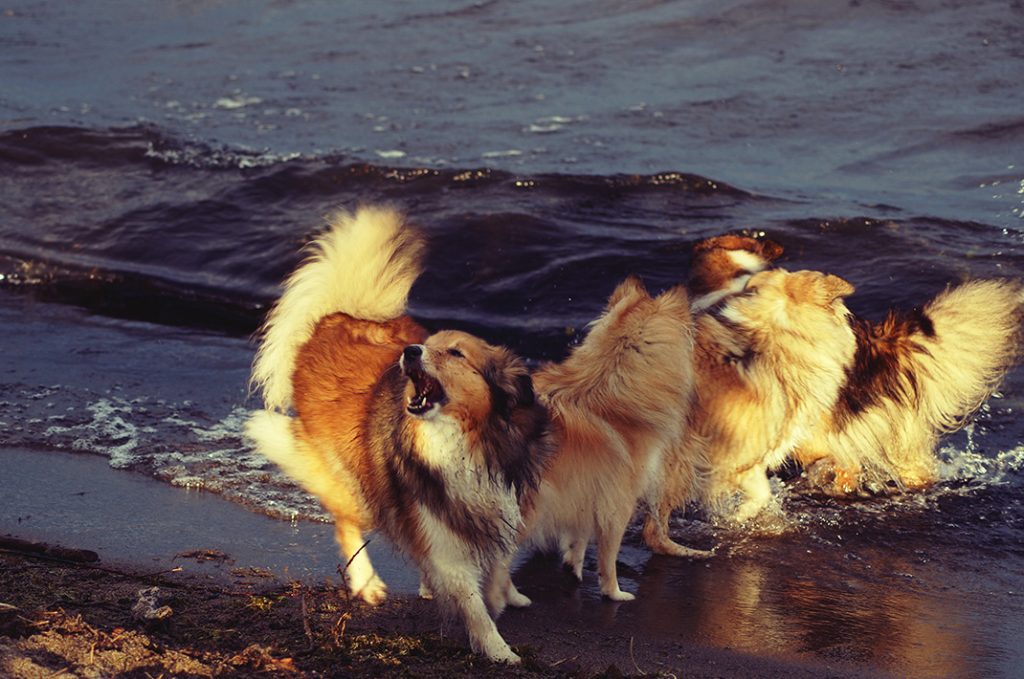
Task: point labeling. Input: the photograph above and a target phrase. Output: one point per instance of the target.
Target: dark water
(161, 164)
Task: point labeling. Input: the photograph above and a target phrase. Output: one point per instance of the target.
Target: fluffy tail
(976, 338)
(275, 437)
(364, 265)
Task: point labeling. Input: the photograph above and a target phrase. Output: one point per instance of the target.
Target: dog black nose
(412, 352)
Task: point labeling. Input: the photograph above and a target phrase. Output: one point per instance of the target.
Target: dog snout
(412, 353)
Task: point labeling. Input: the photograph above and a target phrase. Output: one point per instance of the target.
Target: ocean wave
(148, 143)
(133, 295)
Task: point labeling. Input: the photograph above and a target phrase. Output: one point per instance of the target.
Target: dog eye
(455, 352)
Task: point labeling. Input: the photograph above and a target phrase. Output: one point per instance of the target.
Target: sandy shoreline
(61, 618)
(214, 559)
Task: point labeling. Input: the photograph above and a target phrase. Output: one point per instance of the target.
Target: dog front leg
(457, 586)
(757, 492)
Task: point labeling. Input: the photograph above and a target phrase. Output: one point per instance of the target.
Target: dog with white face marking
(914, 376)
(436, 440)
(721, 266)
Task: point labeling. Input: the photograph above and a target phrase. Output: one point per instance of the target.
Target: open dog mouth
(428, 391)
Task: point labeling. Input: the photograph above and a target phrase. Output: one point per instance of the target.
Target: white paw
(517, 599)
(505, 655)
(747, 511)
(619, 595)
(374, 592)
(425, 592)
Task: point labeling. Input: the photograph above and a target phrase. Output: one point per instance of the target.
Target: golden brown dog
(914, 376)
(617, 406)
(769, 363)
(436, 440)
(721, 266)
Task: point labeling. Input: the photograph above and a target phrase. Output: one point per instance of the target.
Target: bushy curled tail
(364, 265)
(976, 338)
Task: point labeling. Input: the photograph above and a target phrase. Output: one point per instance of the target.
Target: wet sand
(748, 614)
(140, 526)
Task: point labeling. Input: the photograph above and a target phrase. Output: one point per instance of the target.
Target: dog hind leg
(657, 539)
(609, 538)
(574, 554)
(362, 580)
(500, 589)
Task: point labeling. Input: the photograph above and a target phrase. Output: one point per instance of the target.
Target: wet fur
(447, 486)
(915, 376)
(762, 377)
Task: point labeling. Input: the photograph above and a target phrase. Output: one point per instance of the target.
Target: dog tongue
(428, 391)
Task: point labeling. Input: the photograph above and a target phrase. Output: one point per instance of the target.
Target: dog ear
(509, 381)
(837, 287)
(677, 300)
(631, 286)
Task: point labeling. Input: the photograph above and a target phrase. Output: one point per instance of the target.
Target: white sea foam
(550, 124)
(109, 432)
(200, 156)
(181, 445)
(978, 469)
(507, 153)
(236, 101)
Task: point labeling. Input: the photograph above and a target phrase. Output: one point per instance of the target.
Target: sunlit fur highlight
(769, 363)
(374, 288)
(447, 480)
(916, 376)
(617, 406)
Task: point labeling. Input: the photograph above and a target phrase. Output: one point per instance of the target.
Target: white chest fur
(446, 448)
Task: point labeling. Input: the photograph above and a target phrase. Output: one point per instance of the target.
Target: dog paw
(517, 599)
(689, 553)
(575, 569)
(747, 512)
(374, 592)
(506, 655)
(498, 650)
(425, 592)
(670, 548)
(619, 595)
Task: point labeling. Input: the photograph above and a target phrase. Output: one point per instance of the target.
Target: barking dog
(435, 439)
